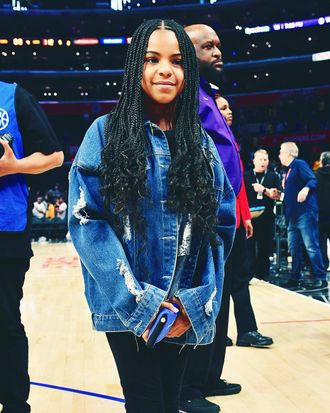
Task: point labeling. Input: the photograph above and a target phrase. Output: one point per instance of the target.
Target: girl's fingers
(170, 306)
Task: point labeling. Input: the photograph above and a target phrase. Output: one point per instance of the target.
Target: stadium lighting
(288, 25)
(118, 4)
(88, 41)
(17, 5)
(257, 29)
(320, 57)
(113, 40)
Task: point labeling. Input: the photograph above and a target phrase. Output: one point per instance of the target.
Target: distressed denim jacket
(126, 278)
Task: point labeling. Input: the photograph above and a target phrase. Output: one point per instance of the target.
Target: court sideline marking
(84, 392)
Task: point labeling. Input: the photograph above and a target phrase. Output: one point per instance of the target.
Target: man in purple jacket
(209, 56)
(204, 368)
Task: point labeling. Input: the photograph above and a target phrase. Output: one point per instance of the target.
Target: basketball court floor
(72, 369)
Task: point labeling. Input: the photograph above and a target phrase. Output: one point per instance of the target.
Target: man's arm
(309, 179)
(243, 209)
(32, 164)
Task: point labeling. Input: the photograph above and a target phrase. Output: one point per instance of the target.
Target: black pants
(244, 315)
(324, 229)
(14, 378)
(205, 363)
(151, 379)
(260, 246)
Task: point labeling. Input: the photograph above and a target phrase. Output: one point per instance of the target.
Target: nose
(217, 53)
(164, 69)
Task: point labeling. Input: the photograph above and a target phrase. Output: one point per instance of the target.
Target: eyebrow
(212, 42)
(158, 54)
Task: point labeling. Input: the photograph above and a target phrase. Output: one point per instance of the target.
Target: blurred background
(70, 56)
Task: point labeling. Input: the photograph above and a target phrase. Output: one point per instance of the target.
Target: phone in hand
(161, 326)
(8, 138)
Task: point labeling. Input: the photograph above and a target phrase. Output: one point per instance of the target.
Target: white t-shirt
(39, 209)
(61, 212)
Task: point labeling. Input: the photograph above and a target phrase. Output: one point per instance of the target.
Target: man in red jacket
(247, 330)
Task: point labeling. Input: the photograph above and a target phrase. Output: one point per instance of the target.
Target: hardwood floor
(291, 376)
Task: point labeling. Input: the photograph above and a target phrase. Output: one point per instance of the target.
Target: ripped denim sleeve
(127, 229)
(129, 280)
(79, 209)
(184, 248)
(209, 305)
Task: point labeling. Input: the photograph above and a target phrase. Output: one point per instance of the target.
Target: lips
(164, 83)
(218, 63)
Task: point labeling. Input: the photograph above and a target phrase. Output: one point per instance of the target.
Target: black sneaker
(314, 283)
(198, 405)
(229, 342)
(253, 339)
(291, 283)
(222, 388)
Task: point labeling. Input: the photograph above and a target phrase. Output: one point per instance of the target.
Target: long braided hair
(123, 167)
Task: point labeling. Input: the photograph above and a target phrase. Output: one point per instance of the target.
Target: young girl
(152, 217)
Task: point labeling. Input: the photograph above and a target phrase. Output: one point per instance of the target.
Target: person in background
(39, 208)
(152, 216)
(323, 196)
(225, 110)
(50, 213)
(301, 214)
(262, 187)
(205, 365)
(34, 149)
(247, 330)
(55, 192)
(61, 209)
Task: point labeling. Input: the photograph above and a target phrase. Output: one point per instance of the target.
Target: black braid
(123, 168)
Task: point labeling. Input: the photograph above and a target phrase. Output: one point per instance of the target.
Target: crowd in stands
(49, 215)
(295, 114)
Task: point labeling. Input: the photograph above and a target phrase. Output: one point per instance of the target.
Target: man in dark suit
(262, 187)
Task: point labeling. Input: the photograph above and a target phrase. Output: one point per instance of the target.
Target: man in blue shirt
(33, 149)
(301, 214)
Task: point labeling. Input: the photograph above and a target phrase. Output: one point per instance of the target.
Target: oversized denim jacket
(120, 295)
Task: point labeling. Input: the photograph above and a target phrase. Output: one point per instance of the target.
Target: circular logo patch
(4, 119)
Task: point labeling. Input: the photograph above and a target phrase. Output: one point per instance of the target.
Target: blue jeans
(303, 230)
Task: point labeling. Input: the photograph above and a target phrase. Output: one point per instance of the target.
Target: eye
(178, 62)
(151, 59)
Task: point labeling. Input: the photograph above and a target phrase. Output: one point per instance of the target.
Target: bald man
(207, 46)
(205, 363)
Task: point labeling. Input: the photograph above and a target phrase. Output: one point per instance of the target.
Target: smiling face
(225, 110)
(163, 76)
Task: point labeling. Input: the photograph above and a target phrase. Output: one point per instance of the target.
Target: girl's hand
(182, 322)
(166, 304)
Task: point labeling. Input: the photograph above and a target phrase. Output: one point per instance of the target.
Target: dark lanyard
(262, 180)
